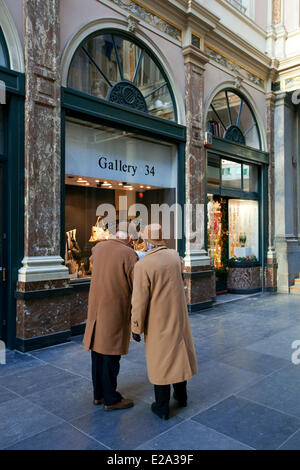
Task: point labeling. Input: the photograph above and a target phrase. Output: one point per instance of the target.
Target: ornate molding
(239, 70)
(42, 268)
(141, 11)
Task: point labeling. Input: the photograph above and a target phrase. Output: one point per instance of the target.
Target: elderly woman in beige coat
(159, 311)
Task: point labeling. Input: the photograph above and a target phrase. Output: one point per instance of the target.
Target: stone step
(295, 290)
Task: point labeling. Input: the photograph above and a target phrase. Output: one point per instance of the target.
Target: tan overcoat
(110, 298)
(159, 310)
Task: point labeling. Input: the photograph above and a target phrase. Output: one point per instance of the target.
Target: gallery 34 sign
(114, 155)
(120, 166)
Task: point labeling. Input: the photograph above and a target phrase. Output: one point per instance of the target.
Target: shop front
(123, 153)
(236, 195)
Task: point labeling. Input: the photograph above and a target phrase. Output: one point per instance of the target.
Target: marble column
(286, 233)
(199, 274)
(271, 267)
(42, 265)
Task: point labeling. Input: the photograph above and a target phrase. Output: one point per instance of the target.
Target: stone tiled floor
(245, 395)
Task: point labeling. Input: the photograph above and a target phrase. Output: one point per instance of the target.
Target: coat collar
(119, 240)
(154, 250)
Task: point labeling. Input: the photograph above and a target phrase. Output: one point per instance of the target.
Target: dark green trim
(62, 184)
(42, 294)
(238, 152)
(15, 206)
(25, 345)
(79, 285)
(112, 114)
(14, 81)
(181, 195)
(78, 329)
(245, 291)
(243, 264)
(197, 274)
(196, 308)
(232, 193)
(5, 49)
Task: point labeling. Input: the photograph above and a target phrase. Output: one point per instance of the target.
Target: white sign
(114, 155)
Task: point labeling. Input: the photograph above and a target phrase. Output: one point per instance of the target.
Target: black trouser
(163, 392)
(105, 371)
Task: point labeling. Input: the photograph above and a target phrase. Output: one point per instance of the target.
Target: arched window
(119, 69)
(4, 58)
(231, 117)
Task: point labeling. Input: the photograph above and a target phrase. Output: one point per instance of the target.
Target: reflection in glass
(105, 60)
(243, 228)
(231, 174)
(250, 178)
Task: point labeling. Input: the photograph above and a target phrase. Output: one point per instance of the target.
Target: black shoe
(161, 415)
(181, 403)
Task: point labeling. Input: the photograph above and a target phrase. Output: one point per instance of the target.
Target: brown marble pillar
(271, 267)
(42, 269)
(199, 273)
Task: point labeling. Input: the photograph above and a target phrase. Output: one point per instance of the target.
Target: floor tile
(16, 361)
(126, 429)
(293, 443)
(193, 436)
(278, 345)
(68, 401)
(6, 395)
(36, 379)
(20, 419)
(254, 425)
(62, 437)
(254, 361)
(280, 391)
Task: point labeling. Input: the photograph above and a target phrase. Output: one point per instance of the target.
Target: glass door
(3, 252)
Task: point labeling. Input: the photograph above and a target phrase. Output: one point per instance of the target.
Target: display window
(102, 165)
(233, 229)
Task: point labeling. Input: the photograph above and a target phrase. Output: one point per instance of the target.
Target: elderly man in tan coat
(159, 311)
(107, 331)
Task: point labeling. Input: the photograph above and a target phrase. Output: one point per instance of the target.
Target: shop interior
(84, 228)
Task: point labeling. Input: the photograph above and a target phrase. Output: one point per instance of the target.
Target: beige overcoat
(110, 298)
(159, 310)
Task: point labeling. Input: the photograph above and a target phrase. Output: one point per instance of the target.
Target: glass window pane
(243, 228)
(249, 128)
(213, 170)
(221, 112)
(231, 174)
(250, 176)
(153, 86)
(2, 56)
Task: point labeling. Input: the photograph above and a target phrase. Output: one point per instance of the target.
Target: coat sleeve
(140, 299)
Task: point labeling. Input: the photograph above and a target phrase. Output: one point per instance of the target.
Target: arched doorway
(236, 194)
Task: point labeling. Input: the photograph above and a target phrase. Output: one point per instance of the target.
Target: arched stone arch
(121, 25)
(13, 43)
(243, 92)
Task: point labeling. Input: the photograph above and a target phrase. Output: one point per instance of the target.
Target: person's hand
(136, 337)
